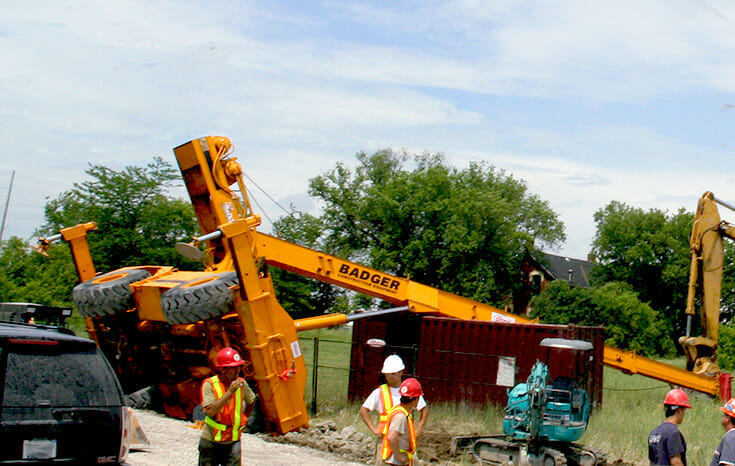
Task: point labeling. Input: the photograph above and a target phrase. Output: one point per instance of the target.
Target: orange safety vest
(226, 423)
(387, 452)
(386, 402)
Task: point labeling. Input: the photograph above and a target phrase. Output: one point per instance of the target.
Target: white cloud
(564, 95)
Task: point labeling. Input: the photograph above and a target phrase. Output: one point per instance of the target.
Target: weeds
(632, 406)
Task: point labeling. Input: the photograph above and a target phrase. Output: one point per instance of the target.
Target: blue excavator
(546, 415)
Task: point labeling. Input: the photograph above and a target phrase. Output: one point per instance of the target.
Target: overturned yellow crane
(162, 326)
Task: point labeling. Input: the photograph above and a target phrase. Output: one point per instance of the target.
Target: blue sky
(588, 102)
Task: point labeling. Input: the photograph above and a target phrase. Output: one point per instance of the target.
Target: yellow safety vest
(387, 452)
(386, 402)
(226, 423)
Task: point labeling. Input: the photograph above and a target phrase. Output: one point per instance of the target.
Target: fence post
(314, 378)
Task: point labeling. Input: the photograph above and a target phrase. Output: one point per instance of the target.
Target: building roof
(576, 271)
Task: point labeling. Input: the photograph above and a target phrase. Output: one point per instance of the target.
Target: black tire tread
(97, 299)
(186, 303)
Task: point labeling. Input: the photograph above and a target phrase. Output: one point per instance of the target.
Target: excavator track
(552, 457)
(586, 456)
(499, 451)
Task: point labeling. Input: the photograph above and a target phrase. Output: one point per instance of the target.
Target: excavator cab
(552, 404)
(546, 414)
(568, 406)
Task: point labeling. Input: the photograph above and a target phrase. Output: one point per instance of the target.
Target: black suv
(60, 399)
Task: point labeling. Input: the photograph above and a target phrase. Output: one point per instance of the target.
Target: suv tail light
(32, 341)
(127, 416)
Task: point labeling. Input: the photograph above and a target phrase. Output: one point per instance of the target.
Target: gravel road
(173, 441)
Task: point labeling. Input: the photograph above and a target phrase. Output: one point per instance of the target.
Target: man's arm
(393, 442)
(216, 406)
(676, 461)
(422, 420)
(249, 400)
(365, 415)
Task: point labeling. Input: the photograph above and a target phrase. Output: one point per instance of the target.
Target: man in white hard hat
(387, 395)
(399, 436)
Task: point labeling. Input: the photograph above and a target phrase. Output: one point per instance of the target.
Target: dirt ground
(434, 447)
(172, 441)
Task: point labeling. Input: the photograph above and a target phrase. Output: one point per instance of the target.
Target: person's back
(666, 445)
(664, 442)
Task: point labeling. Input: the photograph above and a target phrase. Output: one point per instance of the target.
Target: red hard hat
(729, 408)
(228, 357)
(410, 388)
(677, 397)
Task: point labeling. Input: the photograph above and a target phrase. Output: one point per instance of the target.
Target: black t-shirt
(664, 442)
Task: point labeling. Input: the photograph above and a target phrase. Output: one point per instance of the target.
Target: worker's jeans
(219, 454)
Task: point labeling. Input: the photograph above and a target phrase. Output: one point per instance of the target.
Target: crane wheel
(199, 299)
(108, 293)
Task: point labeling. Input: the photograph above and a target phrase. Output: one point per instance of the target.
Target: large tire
(107, 294)
(199, 299)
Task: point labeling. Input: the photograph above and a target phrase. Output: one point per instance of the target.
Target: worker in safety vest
(399, 436)
(227, 401)
(386, 396)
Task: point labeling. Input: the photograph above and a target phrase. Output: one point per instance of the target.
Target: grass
(632, 406)
(333, 366)
(76, 323)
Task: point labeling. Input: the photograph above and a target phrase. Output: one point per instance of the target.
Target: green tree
(26, 276)
(464, 231)
(648, 250)
(728, 284)
(726, 347)
(138, 222)
(299, 295)
(629, 323)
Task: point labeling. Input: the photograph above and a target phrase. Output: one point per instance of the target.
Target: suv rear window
(36, 377)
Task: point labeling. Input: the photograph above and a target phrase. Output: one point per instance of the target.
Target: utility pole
(7, 203)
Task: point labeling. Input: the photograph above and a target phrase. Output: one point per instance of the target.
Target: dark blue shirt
(725, 453)
(664, 442)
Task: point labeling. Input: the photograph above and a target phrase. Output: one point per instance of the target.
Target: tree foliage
(648, 250)
(26, 276)
(464, 231)
(629, 323)
(299, 295)
(726, 347)
(138, 222)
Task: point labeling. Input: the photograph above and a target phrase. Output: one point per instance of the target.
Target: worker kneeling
(399, 436)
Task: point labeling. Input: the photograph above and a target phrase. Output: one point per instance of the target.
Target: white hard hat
(392, 364)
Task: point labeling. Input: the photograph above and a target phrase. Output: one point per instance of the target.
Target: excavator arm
(705, 282)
